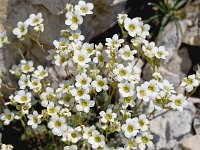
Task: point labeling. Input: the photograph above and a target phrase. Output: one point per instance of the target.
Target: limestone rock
(174, 69)
(172, 127)
(53, 12)
(193, 31)
(191, 143)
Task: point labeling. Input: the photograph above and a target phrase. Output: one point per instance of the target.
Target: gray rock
(172, 127)
(174, 69)
(191, 143)
(53, 12)
(171, 38)
(192, 33)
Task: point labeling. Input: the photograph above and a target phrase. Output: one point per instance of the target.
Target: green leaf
(180, 4)
(151, 18)
(162, 9)
(163, 23)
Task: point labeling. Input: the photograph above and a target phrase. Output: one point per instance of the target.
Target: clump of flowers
(99, 103)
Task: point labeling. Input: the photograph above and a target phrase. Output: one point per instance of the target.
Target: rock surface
(172, 127)
(191, 143)
(53, 12)
(192, 36)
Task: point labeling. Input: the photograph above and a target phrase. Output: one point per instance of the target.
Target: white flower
(83, 81)
(97, 140)
(149, 49)
(72, 147)
(115, 42)
(80, 93)
(61, 59)
(76, 36)
(145, 31)
(34, 119)
(126, 89)
(135, 74)
(121, 72)
(143, 122)
(127, 101)
(133, 26)
(178, 102)
(84, 8)
(72, 135)
(88, 131)
(47, 96)
(121, 17)
(161, 53)
(52, 109)
(152, 87)
(126, 53)
(130, 144)
(84, 105)
(39, 27)
(58, 125)
(3, 38)
(23, 97)
(73, 20)
(190, 82)
(81, 57)
(35, 20)
(89, 48)
(100, 58)
(107, 116)
(166, 86)
(26, 66)
(143, 93)
(40, 73)
(25, 108)
(35, 84)
(131, 127)
(66, 100)
(21, 29)
(61, 44)
(6, 147)
(144, 140)
(100, 83)
(23, 81)
(7, 116)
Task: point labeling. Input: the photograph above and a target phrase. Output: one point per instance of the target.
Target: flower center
(84, 9)
(23, 98)
(84, 103)
(83, 81)
(151, 88)
(130, 128)
(26, 67)
(57, 124)
(35, 119)
(127, 100)
(177, 102)
(132, 27)
(100, 83)
(97, 139)
(145, 139)
(122, 72)
(81, 58)
(126, 89)
(141, 122)
(80, 93)
(108, 116)
(74, 20)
